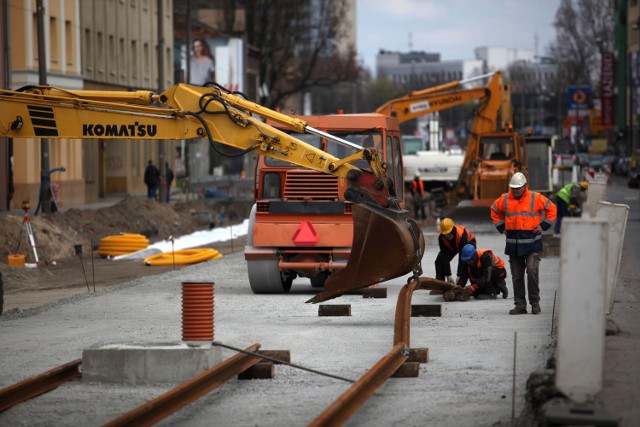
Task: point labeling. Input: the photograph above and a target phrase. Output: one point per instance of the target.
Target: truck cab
(300, 224)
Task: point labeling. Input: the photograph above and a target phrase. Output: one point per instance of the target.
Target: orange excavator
(494, 151)
(386, 242)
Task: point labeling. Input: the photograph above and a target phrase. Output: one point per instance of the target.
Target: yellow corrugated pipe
(183, 257)
(122, 244)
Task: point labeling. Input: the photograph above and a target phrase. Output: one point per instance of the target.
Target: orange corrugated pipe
(197, 311)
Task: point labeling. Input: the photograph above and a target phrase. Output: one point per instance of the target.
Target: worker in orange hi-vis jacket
(452, 238)
(522, 215)
(485, 271)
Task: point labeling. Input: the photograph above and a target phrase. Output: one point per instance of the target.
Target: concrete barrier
(581, 319)
(597, 192)
(616, 215)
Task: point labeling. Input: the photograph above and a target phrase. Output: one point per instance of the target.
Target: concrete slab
(147, 363)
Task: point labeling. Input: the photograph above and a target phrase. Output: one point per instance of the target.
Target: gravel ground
(468, 380)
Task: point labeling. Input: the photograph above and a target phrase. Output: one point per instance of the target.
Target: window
(134, 60)
(112, 56)
(99, 53)
(54, 40)
(87, 56)
(68, 43)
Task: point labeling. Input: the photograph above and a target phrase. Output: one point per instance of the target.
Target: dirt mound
(57, 233)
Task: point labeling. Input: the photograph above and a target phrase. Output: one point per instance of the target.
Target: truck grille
(310, 185)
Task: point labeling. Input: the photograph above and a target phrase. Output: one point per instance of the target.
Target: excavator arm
(186, 112)
(494, 111)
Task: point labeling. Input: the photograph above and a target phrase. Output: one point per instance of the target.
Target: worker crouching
(451, 240)
(485, 271)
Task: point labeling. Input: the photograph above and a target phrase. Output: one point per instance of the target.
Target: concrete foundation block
(147, 363)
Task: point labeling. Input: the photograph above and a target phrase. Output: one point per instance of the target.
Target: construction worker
(451, 240)
(522, 215)
(485, 271)
(568, 200)
(417, 191)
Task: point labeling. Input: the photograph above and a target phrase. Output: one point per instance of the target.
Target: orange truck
(301, 224)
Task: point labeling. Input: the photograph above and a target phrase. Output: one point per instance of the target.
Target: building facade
(96, 45)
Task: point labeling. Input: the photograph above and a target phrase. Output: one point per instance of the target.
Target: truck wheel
(265, 278)
(318, 280)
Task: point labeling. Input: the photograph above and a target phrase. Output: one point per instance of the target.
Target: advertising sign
(607, 85)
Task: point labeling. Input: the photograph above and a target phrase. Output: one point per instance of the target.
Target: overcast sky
(452, 28)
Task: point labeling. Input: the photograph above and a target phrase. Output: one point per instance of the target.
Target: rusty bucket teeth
(386, 244)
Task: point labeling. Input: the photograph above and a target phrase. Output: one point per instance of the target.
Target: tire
(264, 275)
(318, 280)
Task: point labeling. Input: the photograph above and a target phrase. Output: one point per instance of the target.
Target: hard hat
(417, 174)
(517, 180)
(446, 225)
(584, 185)
(468, 251)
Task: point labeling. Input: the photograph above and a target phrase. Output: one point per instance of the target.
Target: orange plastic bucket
(15, 260)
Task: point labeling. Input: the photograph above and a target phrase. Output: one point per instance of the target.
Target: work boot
(535, 308)
(518, 310)
(502, 287)
(486, 296)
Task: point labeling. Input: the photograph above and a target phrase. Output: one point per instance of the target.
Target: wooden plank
(259, 371)
(283, 355)
(374, 293)
(426, 310)
(334, 310)
(407, 370)
(420, 355)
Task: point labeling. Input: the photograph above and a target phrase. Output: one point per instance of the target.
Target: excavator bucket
(386, 244)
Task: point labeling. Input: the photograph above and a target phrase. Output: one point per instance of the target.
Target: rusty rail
(40, 384)
(402, 324)
(351, 400)
(162, 406)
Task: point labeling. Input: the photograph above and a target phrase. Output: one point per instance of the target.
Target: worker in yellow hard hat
(451, 240)
(569, 201)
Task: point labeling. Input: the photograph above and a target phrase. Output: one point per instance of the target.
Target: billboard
(607, 86)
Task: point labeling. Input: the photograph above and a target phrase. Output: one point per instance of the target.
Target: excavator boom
(185, 112)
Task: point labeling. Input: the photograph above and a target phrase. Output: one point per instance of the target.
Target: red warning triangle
(305, 235)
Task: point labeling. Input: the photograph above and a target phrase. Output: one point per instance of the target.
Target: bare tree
(297, 42)
(584, 29)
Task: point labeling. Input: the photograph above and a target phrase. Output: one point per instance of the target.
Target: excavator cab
(499, 156)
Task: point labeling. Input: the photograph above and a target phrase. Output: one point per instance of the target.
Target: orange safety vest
(460, 230)
(418, 185)
(497, 262)
(519, 216)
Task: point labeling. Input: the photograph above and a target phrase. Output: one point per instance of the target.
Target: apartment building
(96, 45)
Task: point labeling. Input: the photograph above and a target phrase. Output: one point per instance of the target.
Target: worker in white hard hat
(522, 215)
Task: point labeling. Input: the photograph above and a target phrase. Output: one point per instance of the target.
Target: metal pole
(45, 184)
(162, 191)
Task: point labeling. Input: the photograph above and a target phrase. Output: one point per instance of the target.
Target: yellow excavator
(494, 151)
(387, 243)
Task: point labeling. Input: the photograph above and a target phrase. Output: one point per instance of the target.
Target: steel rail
(40, 384)
(402, 323)
(351, 400)
(166, 404)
